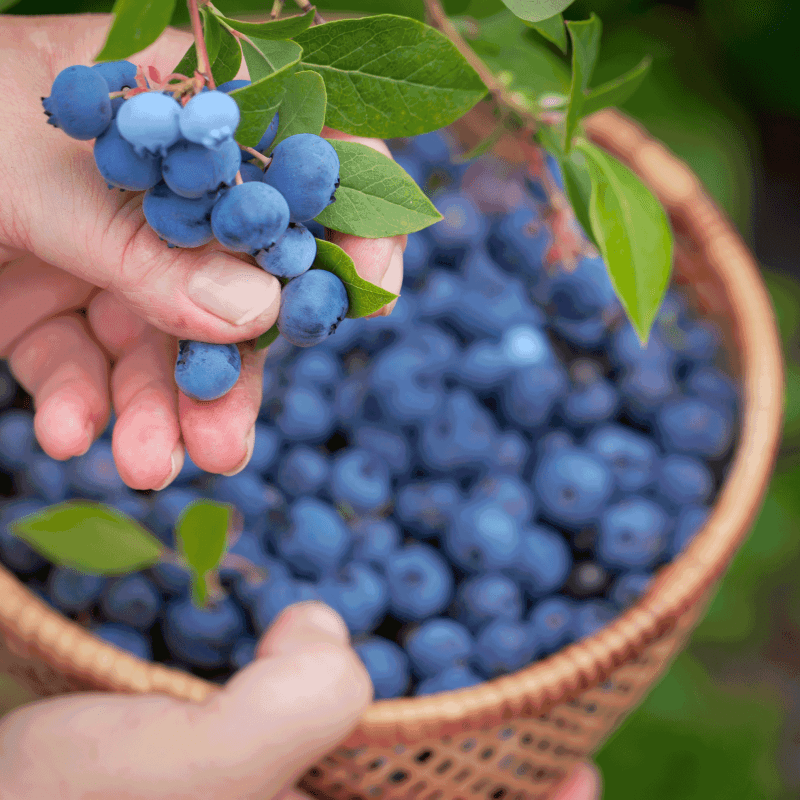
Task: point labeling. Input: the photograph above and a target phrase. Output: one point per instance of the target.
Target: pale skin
(92, 305)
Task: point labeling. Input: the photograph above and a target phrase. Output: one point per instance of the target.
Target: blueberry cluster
(201, 185)
(488, 474)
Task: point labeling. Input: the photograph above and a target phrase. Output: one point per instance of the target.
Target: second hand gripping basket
(517, 737)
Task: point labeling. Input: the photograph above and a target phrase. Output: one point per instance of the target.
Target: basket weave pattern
(517, 737)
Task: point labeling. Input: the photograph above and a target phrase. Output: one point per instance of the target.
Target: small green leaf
(578, 185)
(303, 106)
(6, 4)
(376, 196)
(389, 76)
(90, 537)
(267, 338)
(633, 234)
(226, 66)
(553, 30)
(616, 92)
(585, 49)
(365, 298)
(136, 25)
(286, 28)
(259, 101)
(537, 10)
(202, 534)
(212, 33)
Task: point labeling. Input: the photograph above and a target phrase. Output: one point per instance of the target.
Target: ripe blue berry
(180, 221)
(438, 643)
(168, 505)
(118, 75)
(426, 508)
(209, 119)
(689, 523)
(205, 371)
(305, 170)
(268, 601)
(683, 480)
(591, 616)
(628, 588)
(361, 480)
(47, 478)
(488, 596)
(504, 646)
(630, 455)
(125, 638)
(543, 562)
(72, 591)
(449, 680)
(632, 534)
(553, 623)
(387, 665)
(16, 553)
(250, 217)
(17, 438)
(120, 165)
(244, 652)
(193, 171)
(95, 473)
(291, 255)
(420, 583)
(305, 416)
(133, 600)
(513, 496)
(689, 425)
(303, 471)
(359, 594)
(149, 121)
(251, 173)
(79, 103)
(483, 537)
(375, 541)
(246, 491)
(312, 306)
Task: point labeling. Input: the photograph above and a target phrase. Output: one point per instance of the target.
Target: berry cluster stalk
(200, 43)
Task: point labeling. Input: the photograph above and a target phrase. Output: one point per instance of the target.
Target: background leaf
(376, 196)
(553, 30)
(365, 298)
(229, 58)
(585, 37)
(212, 33)
(90, 537)
(286, 28)
(265, 58)
(537, 10)
(303, 106)
(136, 25)
(578, 185)
(633, 234)
(201, 534)
(389, 76)
(616, 92)
(267, 338)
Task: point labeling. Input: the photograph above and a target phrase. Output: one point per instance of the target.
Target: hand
(92, 302)
(301, 696)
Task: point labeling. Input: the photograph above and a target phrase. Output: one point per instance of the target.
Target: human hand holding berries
(68, 244)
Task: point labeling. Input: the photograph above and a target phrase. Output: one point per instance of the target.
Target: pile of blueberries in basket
(493, 471)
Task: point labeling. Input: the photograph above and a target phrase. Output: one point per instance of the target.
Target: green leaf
(616, 92)
(553, 30)
(389, 76)
(303, 106)
(265, 58)
(229, 59)
(212, 33)
(578, 185)
(537, 10)
(137, 24)
(487, 144)
(633, 234)
(90, 537)
(376, 196)
(6, 4)
(365, 298)
(585, 37)
(202, 534)
(267, 338)
(259, 101)
(286, 28)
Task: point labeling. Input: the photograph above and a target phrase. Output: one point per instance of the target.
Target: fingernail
(313, 621)
(250, 444)
(234, 292)
(393, 279)
(583, 784)
(177, 458)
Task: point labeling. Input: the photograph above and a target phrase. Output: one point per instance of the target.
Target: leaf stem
(200, 43)
(266, 160)
(305, 5)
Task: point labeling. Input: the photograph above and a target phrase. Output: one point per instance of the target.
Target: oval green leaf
(389, 76)
(578, 186)
(229, 58)
(553, 30)
(90, 537)
(303, 106)
(268, 337)
(365, 297)
(201, 534)
(616, 92)
(286, 28)
(585, 49)
(376, 196)
(537, 10)
(136, 25)
(633, 234)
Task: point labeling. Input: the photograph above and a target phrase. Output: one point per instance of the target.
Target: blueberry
(46, 478)
(483, 537)
(318, 541)
(632, 534)
(292, 255)
(518, 242)
(172, 579)
(246, 587)
(202, 637)
(630, 455)
(427, 507)
(359, 594)
(712, 385)
(591, 616)
(121, 166)
(265, 448)
(72, 591)
(135, 504)
(387, 665)
(17, 439)
(532, 395)
(684, 480)
(543, 562)
(192, 171)
(95, 473)
(251, 173)
(250, 217)
(125, 638)
(181, 221)
(592, 400)
(513, 496)
(420, 583)
(689, 523)
(488, 596)
(361, 480)
(168, 505)
(436, 644)
(305, 415)
(693, 426)
(244, 652)
(391, 446)
(626, 349)
(462, 228)
(133, 600)
(8, 386)
(574, 486)
(315, 368)
(451, 679)
(246, 491)
(303, 471)
(583, 292)
(628, 588)
(504, 646)
(312, 306)
(79, 103)
(305, 170)
(645, 389)
(209, 119)
(273, 597)
(118, 75)
(376, 540)
(206, 371)
(553, 622)
(150, 122)
(429, 149)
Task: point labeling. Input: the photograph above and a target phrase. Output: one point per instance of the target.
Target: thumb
(252, 739)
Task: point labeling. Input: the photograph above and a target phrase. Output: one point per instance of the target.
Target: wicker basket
(518, 736)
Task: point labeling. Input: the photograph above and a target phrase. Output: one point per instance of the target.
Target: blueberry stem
(277, 7)
(200, 43)
(266, 160)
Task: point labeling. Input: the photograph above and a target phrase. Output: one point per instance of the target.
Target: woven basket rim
(39, 630)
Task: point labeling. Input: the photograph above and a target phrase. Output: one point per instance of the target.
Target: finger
(220, 435)
(303, 623)
(32, 291)
(65, 371)
(146, 441)
(380, 261)
(583, 784)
